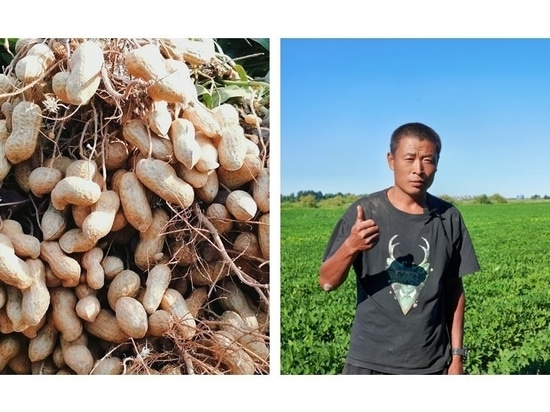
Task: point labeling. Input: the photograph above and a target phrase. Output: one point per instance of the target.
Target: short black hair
(418, 130)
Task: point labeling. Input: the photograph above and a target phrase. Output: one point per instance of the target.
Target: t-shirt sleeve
(339, 235)
(342, 229)
(464, 260)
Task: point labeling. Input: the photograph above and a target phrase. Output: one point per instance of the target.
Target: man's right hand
(363, 236)
(364, 233)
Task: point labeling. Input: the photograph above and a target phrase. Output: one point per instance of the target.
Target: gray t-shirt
(400, 321)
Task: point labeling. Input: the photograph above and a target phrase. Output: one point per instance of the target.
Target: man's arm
(335, 269)
(363, 236)
(455, 299)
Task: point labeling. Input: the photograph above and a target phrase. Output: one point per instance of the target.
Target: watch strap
(460, 351)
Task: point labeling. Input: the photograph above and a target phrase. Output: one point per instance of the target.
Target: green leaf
(208, 101)
(223, 94)
(241, 72)
(201, 90)
(262, 42)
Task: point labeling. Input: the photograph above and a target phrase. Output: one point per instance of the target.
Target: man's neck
(414, 205)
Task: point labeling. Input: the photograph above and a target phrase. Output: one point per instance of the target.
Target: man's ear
(390, 160)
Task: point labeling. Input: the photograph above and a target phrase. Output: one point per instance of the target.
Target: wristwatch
(460, 351)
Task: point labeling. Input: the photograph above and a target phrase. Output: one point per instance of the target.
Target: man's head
(418, 130)
(414, 154)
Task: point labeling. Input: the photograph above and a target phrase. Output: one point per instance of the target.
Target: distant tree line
(497, 198)
(315, 195)
(311, 198)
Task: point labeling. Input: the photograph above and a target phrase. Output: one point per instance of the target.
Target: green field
(507, 319)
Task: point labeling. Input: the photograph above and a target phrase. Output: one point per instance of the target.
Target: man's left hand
(456, 367)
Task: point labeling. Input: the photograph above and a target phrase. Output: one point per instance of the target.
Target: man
(409, 251)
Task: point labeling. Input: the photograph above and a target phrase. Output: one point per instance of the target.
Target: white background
(275, 20)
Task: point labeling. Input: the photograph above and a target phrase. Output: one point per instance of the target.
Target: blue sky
(489, 100)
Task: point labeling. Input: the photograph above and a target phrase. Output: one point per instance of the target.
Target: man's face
(414, 165)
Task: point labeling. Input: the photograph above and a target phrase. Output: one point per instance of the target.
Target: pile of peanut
(134, 219)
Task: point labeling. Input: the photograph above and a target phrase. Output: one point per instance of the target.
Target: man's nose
(418, 167)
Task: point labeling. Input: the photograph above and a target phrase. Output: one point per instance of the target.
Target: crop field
(507, 318)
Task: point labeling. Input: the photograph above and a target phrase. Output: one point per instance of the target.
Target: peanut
(134, 201)
(36, 298)
(88, 307)
(138, 135)
(158, 280)
(112, 266)
(10, 345)
(226, 115)
(74, 190)
(231, 297)
(247, 243)
(203, 119)
(186, 148)
(110, 365)
(159, 323)
(13, 270)
(24, 245)
(86, 169)
(234, 179)
(169, 83)
(161, 178)
(85, 74)
(59, 86)
(65, 318)
(14, 308)
(233, 354)
(5, 165)
(79, 358)
(29, 69)
(74, 241)
(100, 221)
(193, 176)
(196, 300)
(131, 317)
(220, 217)
(159, 117)
(263, 234)
(34, 64)
(209, 154)
(95, 274)
(208, 192)
(174, 303)
(106, 327)
(126, 283)
(6, 86)
(151, 241)
(234, 324)
(232, 148)
(53, 223)
(115, 152)
(43, 179)
(23, 140)
(260, 190)
(241, 205)
(63, 267)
